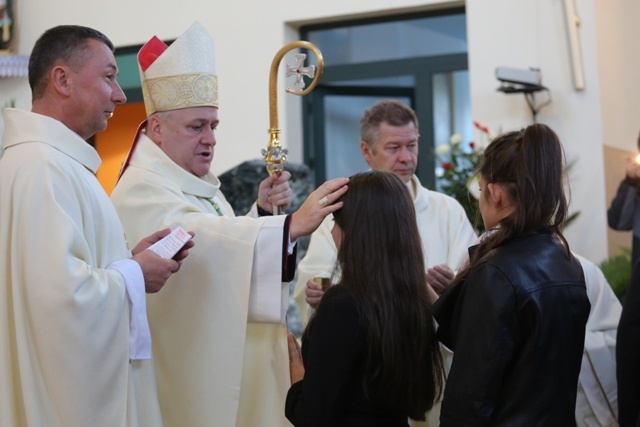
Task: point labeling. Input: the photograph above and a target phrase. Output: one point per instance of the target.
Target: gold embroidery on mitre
(181, 91)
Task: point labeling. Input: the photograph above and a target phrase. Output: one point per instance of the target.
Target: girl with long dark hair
(370, 353)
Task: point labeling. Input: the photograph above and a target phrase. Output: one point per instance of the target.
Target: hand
(296, 366)
(432, 295)
(313, 293)
(633, 168)
(310, 215)
(440, 277)
(155, 269)
(159, 235)
(275, 191)
(150, 240)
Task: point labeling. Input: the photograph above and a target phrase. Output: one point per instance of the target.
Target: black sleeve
(263, 212)
(471, 394)
(333, 354)
(621, 212)
(288, 261)
(628, 354)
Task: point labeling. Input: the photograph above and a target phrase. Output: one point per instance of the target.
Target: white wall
(619, 62)
(247, 35)
(533, 33)
(518, 33)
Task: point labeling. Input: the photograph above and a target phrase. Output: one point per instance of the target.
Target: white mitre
(181, 75)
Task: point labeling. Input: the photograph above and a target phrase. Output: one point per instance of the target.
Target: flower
(442, 149)
(474, 186)
(457, 173)
(482, 128)
(455, 139)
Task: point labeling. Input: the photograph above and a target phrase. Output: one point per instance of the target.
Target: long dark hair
(381, 263)
(530, 165)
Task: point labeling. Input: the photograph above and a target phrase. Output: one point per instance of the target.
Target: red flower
(446, 166)
(482, 128)
(472, 144)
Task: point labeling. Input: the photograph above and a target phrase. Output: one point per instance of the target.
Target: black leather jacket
(516, 325)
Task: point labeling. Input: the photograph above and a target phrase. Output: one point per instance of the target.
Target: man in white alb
(74, 338)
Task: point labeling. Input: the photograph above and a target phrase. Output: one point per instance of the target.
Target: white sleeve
(597, 378)
(319, 261)
(269, 296)
(139, 333)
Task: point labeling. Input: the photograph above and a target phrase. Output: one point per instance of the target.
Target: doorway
(419, 60)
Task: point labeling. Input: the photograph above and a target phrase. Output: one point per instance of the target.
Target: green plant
(617, 271)
(458, 164)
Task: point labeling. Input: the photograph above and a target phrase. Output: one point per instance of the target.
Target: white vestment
(446, 235)
(64, 315)
(219, 338)
(597, 400)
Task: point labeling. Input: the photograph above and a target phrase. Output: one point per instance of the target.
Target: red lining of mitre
(150, 52)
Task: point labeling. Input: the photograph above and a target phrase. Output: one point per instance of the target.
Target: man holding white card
(219, 335)
(74, 337)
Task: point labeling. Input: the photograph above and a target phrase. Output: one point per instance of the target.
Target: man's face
(95, 89)
(395, 151)
(187, 136)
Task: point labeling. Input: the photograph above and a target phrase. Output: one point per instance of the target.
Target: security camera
(527, 82)
(518, 76)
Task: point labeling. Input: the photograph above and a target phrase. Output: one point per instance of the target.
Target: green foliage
(458, 167)
(617, 271)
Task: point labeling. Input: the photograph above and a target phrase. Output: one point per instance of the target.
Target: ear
(497, 195)
(154, 129)
(366, 151)
(60, 80)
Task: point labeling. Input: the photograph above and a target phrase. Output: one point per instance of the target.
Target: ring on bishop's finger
(323, 202)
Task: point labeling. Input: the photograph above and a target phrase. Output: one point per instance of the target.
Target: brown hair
(530, 165)
(382, 265)
(66, 43)
(392, 112)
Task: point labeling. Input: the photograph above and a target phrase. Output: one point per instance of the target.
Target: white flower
(443, 149)
(473, 185)
(455, 139)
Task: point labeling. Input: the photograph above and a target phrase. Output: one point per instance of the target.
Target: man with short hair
(74, 338)
(219, 334)
(389, 141)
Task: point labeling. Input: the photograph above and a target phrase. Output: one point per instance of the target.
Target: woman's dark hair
(530, 165)
(64, 43)
(381, 263)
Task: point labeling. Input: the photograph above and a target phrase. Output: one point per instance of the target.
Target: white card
(169, 245)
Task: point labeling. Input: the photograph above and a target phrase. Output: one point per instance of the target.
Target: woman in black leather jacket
(515, 316)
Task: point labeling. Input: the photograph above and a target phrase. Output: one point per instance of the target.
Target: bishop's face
(187, 136)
